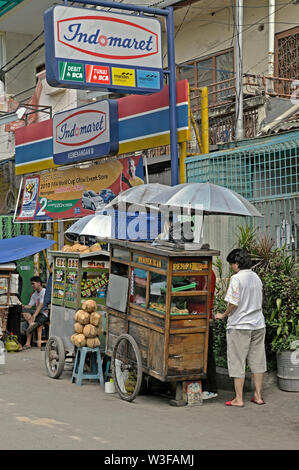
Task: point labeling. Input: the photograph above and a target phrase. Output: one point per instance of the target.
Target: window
(286, 59)
(208, 71)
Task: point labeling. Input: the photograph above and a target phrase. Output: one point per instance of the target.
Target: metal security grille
(267, 174)
(256, 173)
(8, 229)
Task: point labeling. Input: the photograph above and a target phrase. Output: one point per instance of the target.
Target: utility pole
(239, 70)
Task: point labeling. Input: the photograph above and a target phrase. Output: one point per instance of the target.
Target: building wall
(22, 76)
(202, 34)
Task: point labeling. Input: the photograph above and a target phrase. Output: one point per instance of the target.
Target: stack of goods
(94, 287)
(78, 248)
(87, 326)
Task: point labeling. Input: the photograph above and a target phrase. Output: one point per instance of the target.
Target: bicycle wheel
(54, 357)
(126, 367)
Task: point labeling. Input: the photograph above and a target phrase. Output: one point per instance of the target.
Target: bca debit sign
(85, 133)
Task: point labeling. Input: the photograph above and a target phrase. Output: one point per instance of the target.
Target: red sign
(97, 74)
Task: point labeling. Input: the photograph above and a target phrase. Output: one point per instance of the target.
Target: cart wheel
(54, 357)
(126, 367)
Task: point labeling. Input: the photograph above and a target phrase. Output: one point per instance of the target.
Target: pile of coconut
(88, 326)
(78, 248)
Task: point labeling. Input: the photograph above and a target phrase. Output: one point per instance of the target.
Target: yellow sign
(150, 261)
(123, 77)
(190, 266)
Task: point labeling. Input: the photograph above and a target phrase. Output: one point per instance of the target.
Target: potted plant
(286, 345)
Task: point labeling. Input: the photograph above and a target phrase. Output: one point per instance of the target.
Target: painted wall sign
(78, 40)
(85, 133)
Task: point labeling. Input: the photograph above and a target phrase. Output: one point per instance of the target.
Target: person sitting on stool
(36, 318)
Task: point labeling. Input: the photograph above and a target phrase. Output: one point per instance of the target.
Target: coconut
(78, 340)
(89, 305)
(90, 331)
(82, 317)
(95, 318)
(78, 327)
(93, 342)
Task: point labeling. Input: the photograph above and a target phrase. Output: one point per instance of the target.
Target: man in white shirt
(245, 327)
(36, 301)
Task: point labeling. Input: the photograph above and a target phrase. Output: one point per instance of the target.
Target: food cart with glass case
(158, 304)
(76, 278)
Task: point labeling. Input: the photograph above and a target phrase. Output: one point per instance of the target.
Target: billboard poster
(101, 49)
(30, 198)
(76, 192)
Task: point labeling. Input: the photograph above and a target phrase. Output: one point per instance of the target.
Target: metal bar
(125, 6)
(172, 99)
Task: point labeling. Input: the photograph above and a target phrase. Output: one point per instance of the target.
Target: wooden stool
(38, 334)
(96, 372)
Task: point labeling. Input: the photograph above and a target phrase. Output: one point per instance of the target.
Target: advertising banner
(85, 133)
(99, 49)
(76, 192)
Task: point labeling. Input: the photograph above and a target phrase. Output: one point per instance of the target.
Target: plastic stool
(96, 372)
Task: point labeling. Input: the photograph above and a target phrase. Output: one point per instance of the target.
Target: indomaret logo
(81, 128)
(107, 37)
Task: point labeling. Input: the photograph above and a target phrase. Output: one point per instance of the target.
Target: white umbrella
(138, 195)
(213, 199)
(98, 225)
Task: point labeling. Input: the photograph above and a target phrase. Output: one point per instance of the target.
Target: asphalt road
(42, 413)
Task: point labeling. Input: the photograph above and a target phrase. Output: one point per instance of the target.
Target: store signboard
(76, 192)
(143, 122)
(85, 133)
(88, 48)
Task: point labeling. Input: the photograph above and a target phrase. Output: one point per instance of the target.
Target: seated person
(36, 318)
(47, 298)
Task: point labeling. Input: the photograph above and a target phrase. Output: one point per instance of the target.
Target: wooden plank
(144, 315)
(186, 344)
(190, 323)
(190, 293)
(139, 321)
(167, 316)
(156, 352)
(116, 325)
(163, 252)
(141, 336)
(177, 331)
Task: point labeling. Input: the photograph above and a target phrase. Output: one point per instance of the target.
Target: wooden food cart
(158, 305)
(76, 278)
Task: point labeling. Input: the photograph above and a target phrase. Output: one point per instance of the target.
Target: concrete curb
(224, 382)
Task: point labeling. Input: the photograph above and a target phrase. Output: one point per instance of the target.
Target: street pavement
(37, 412)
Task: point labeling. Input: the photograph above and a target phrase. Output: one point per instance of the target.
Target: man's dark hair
(36, 279)
(241, 257)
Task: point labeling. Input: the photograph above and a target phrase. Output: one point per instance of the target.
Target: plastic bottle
(2, 357)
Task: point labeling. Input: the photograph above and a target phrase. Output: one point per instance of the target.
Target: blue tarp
(12, 249)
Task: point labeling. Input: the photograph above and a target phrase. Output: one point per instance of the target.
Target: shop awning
(12, 249)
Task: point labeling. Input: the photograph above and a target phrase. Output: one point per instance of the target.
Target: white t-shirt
(37, 298)
(246, 291)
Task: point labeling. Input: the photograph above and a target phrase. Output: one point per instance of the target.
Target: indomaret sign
(94, 48)
(85, 133)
